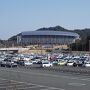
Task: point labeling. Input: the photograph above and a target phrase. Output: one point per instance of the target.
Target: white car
(27, 63)
(47, 64)
(70, 63)
(87, 64)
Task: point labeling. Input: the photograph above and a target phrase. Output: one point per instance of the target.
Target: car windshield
(45, 62)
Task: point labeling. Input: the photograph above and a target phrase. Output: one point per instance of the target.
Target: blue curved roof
(62, 33)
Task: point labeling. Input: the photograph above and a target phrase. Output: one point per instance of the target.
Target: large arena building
(46, 37)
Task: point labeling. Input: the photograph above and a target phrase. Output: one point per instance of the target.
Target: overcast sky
(26, 15)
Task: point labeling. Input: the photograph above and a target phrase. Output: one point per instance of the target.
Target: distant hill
(84, 33)
(13, 38)
(56, 28)
(1, 43)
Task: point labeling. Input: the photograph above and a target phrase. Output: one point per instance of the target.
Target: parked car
(8, 63)
(80, 63)
(55, 63)
(70, 63)
(47, 64)
(11, 64)
(27, 63)
(20, 62)
(3, 63)
(37, 64)
(87, 64)
(62, 63)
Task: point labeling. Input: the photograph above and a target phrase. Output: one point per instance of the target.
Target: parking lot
(16, 85)
(23, 73)
(39, 79)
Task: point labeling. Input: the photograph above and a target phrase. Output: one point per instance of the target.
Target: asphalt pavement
(35, 79)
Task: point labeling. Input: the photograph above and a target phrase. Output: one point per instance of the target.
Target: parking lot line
(28, 87)
(35, 85)
(44, 89)
(76, 84)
